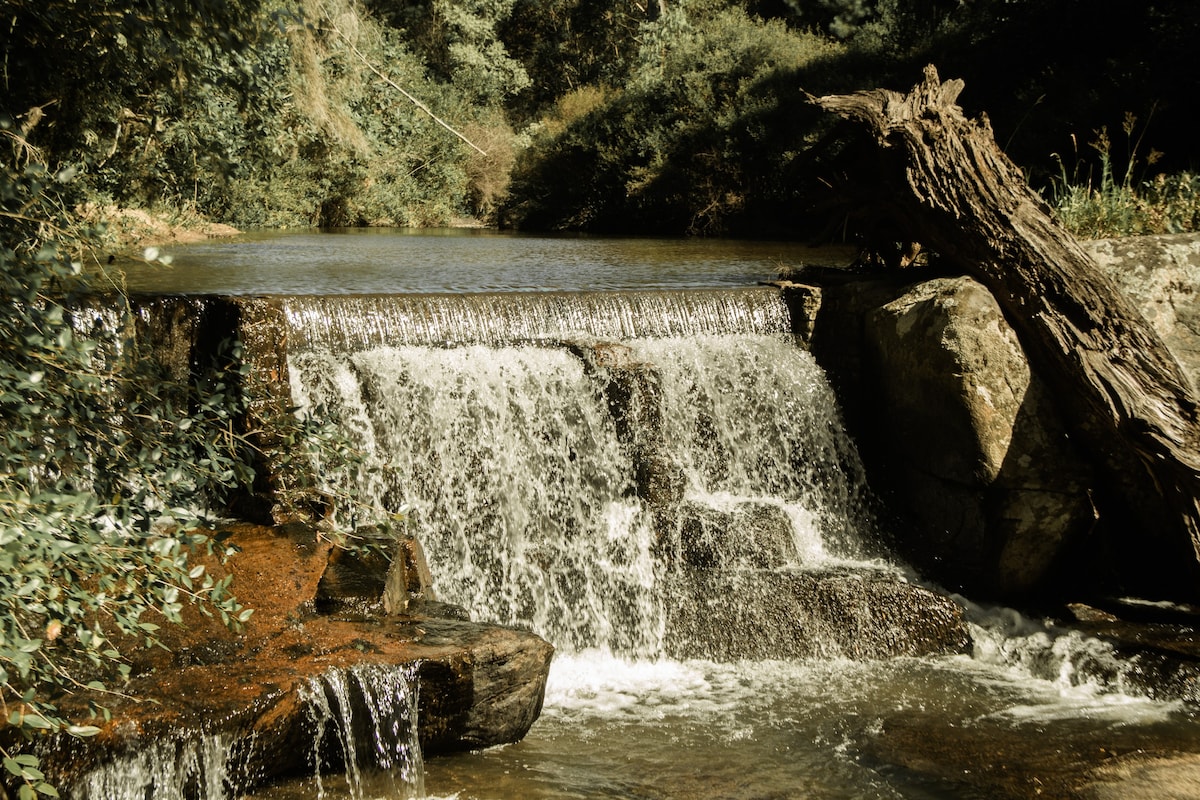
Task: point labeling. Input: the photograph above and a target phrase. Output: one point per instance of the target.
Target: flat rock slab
(477, 685)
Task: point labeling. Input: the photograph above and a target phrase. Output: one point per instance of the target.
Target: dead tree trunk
(947, 182)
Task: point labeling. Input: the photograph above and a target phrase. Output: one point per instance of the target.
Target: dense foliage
(105, 462)
(110, 461)
(687, 115)
(756, 157)
(703, 137)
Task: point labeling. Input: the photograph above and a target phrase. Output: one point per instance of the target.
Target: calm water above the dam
(394, 260)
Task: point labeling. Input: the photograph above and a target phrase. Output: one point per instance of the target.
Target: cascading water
(365, 720)
(197, 766)
(351, 324)
(751, 418)
(614, 469)
(363, 724)
(525, 457)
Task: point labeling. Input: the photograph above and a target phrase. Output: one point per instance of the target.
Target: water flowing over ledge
(360, 721)
(595, 466)
(345, 324)
(300, 691)
(726, 498)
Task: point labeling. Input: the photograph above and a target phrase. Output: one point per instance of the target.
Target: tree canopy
(672, 117)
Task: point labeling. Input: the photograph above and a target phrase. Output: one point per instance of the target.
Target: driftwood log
(944, 181)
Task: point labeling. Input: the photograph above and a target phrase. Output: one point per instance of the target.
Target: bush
(106, 466)
(1118, 202)
(701, 140)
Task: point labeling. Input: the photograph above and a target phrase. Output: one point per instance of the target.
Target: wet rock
(759, 614)
(748, 535)
(385, 573)
(479, 685)
(354, 580)
(978, 449)
(633, 391)
(659, 480)
(1156, 647)
(409, 583)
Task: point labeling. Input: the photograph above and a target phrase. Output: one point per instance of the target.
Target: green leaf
(82, 730)
(35, 720)
(30, 586)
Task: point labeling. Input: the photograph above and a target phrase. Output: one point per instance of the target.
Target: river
(521, 490)
(388, 260)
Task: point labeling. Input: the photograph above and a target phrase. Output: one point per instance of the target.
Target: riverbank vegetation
(116, 452)
(104, 461)
(674, 117)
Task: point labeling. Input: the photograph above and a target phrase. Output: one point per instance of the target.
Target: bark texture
(948, 185)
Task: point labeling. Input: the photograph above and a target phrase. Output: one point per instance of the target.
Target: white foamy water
(365, 719)
(190, 765)
(524, 489)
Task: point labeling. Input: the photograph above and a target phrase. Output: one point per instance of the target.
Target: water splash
(523, 495)
(752, 420)
(534, 468)
(365, 721)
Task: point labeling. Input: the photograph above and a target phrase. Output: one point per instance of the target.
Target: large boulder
(1162, 276)
(728, 615)
(972, 439)
(967, 446)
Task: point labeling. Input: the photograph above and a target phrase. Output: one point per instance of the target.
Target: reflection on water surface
(945, 728)
(399, 260)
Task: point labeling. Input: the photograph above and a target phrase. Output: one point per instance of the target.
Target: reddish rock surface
(479, 685)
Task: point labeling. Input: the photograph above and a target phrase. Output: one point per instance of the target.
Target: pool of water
(952, 727)
(394, 260)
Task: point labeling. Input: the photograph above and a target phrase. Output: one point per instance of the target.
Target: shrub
(700, 140)
(106, 466)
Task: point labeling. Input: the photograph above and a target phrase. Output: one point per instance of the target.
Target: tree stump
(946, 182)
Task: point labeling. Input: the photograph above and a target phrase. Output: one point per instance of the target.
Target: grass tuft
(1133, 204)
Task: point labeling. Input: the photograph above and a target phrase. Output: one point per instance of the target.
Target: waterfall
(365, 721)
(196, 766)
(362, 720)
(752, 419)
(564, 455)
(345, 324)
(522, 494)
